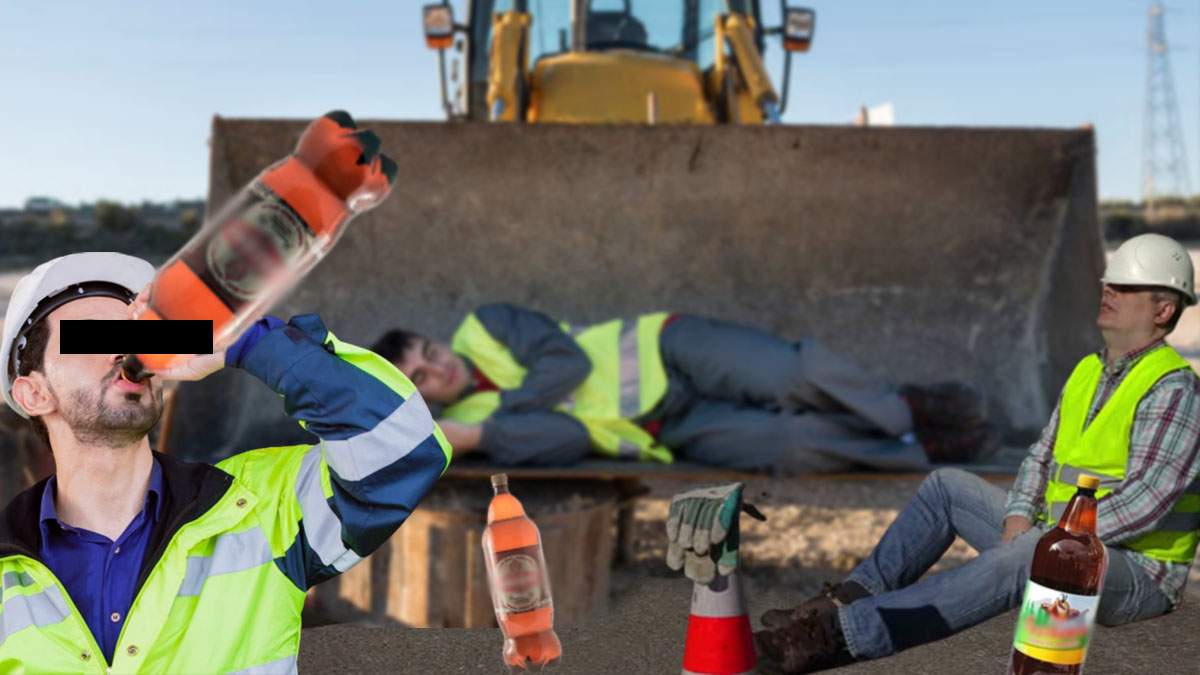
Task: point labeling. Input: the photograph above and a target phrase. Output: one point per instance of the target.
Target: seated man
(1129, 415)
(527, 390)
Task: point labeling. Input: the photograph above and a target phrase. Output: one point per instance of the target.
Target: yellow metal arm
(507, 65)
(739, 31)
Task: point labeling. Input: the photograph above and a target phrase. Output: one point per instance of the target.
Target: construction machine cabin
(615, 61)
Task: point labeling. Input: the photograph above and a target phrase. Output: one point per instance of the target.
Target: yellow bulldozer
(615, 61)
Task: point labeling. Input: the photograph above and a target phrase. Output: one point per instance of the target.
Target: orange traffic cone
(719, 641)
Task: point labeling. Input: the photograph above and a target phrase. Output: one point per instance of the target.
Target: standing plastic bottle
(270, 234)
(1063, 593)
(512, 549)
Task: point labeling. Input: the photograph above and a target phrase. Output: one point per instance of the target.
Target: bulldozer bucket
(923, 253)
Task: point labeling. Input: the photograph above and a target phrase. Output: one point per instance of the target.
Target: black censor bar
(184, 336)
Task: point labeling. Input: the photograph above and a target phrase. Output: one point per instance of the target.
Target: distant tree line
(114, 227)
(1175, 217)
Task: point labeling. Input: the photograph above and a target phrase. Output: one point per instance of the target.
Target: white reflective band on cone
(721, 599)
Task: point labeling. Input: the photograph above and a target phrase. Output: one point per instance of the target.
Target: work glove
(702, 531)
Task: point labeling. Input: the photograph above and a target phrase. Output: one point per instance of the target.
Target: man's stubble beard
(95, 422)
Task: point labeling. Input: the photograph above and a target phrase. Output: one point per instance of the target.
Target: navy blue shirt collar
(153, 503)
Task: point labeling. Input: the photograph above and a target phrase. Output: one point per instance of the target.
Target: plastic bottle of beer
(270, 234)
(1063, 592)
(512, 549)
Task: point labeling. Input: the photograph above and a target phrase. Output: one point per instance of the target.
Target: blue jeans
(905, 610)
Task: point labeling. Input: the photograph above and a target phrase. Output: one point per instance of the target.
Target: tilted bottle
(270, 234)
(512, 551)
(1063, 593)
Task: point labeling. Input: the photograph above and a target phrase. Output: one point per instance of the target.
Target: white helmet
(54, 284)
(1153, 260)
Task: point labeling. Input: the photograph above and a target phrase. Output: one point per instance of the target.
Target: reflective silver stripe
(1070, 475)
(627, 450)
(393, 438)
(287, 665)
(16, 580)
(1179, 522)
(721, 599)
(629, 370)
(40, 609)
(321, 525)
(233, 552)
(1172, 522)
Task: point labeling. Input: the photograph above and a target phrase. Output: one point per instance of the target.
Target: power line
(1164, 156)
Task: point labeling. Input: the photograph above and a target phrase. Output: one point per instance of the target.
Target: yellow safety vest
(627, 380)
(1102, 450)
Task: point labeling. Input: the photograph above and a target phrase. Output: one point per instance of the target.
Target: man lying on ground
(524, 389)
(1129, 415)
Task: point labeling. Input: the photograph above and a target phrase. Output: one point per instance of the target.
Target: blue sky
(115, 99)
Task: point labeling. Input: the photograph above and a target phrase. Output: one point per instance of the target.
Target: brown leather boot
(944, 404)
(959, 446)
(831, 597)
(815, 642)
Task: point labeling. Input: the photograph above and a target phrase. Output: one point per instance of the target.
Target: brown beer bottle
(1063, 592)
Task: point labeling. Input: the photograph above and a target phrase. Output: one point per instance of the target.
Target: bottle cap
(1085, 482)
(499, 480)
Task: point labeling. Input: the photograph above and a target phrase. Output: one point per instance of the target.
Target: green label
(1054, 626)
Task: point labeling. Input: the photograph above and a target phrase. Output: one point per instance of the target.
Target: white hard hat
(1153, 260)
(55, 283)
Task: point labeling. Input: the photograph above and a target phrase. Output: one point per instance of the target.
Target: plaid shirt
(1164, 445)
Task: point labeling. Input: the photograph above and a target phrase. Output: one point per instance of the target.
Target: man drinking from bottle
(132, 561)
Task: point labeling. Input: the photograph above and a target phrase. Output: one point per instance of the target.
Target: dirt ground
(816, 531)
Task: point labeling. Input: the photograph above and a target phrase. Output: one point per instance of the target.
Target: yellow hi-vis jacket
(1102, 450)
(223, 588)
(627, 380)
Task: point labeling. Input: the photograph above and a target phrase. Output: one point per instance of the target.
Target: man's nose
(443, 370)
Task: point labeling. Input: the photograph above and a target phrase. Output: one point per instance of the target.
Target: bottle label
(260, 241)
(1054, 626)
(520, 581)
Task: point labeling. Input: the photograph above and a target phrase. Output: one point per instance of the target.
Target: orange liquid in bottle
(520, 586)
(269, 235)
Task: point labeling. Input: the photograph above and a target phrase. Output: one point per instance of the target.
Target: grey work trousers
(741, 398)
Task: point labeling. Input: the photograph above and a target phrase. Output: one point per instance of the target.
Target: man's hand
(191, 367)
(464, 438)
(1014, 526)
(702, 531)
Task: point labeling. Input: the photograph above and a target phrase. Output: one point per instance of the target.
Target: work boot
(943, 404)
(815, 642)
(959, 446)
(831, 597)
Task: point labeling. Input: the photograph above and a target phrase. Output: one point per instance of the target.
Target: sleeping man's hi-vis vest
(1102, 450)
(627, 380)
